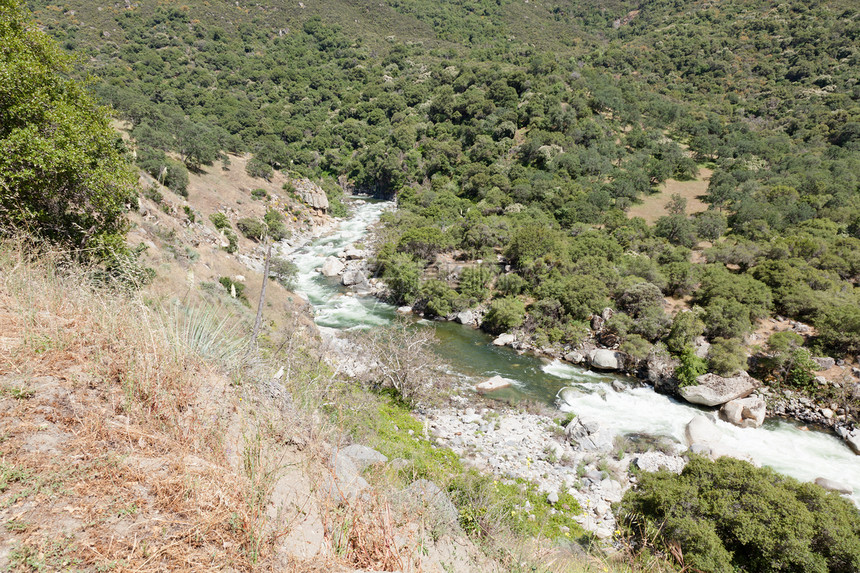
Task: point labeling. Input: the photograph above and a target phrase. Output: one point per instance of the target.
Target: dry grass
(653, 206)
(115, 451)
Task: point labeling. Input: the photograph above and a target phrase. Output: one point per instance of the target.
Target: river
(779, 444)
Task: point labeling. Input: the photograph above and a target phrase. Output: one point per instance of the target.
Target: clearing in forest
(653, 206)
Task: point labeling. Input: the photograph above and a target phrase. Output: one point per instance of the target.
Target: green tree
(690, 368)
(727, 356)
(504, 314)
(63, 172)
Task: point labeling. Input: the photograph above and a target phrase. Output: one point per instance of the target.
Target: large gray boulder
(492, 384)
(745, 412)
(588, 435)
(311, 193)
(352, 278)
(428, 494)
(504, 339)
(604, 359)
(575, 357)
(344, 482)
(713, 390)
(701, 431)
(853, 441)
(466, 317)
(332, 267)
(362, 456)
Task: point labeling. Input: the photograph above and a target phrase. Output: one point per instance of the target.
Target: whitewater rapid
(781, 445)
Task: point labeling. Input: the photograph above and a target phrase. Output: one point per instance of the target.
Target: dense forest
(496, 139)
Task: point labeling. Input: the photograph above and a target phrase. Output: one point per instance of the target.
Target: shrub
(220, 221)
(236, 286)
(259, 194)
(438, 298)
(727, 356)
(731, 516)
(473, 282)
(283, 271)
(253, 229)
(63, 170)
(402, 274)
(256, 168)
(691, 367)
(276, 224)
(839, 329)
(511, 284)
(504, 314)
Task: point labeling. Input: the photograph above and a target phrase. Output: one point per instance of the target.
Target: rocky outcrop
(745, 412)
(492, 384)
(588, 436)
(332, 267)
(823, 362)
(504, 339)
(311, 194)
(713, 390)
(853, 441)
(604, 359)
(701, 431)
(466, 317)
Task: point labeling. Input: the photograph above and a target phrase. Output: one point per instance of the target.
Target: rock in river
(713, 390)
(332, 267)
(605, 359)
(494, 383)
(745, 412)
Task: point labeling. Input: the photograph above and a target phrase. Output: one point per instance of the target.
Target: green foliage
(402, 274)
(276, 225)
(686, 327)
(731, 516)
(220, 221)
(839, 328)
(438, 299)
(252, 228)
(260, 194)
(63, 170)
(503, 315)
(283, 271)
(474, 282)
(235, 286)
(511, 284)
(258, 169)
(727, 356)
(690, 368)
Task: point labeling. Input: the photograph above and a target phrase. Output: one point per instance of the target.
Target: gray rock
(404, 310)
(351, 278)
(605, 359)
(575, 357)
(745, 412)
(618, 386)
(362, 456)
(552, 497)
(824, 362)
(655, 461)
(332, 267)
(311, 193)
(344, 483)
(853, 441)
(833, 485)
(352, 254)
(568, 396)
(607, 313)
(492, 384)
(713, 390)
(429, 494)
(504, 339)
(466, 317)
(588, 435)
(701, 430)
(702, 347)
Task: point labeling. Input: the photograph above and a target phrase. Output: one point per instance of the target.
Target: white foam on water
(780, 445)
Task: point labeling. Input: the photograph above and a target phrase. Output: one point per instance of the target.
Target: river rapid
(779, 444)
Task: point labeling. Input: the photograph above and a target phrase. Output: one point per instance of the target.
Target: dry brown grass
(114, 450)
(653, 206)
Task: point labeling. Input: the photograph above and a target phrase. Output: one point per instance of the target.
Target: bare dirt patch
(653, 206)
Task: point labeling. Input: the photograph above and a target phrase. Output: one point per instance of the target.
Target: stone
(745, 412)
(702, 347)
(362, 456)
(655, 461)
(833, 485)
(552, 497)
(404, 310)
(466, 317)
(351, 278)
(588, 435)
(352, 254)
(504, 339)
(574, 357)
(493, 384)
(618, 386)
(332, 267)
(310, 193)
(605, 359)
(429, 494)
(823, 362)
(702, 431)
(568, 396)
(344, 483)
(713, 390)
(853, 441)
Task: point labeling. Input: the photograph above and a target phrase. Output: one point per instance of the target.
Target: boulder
(504, 339)
(823, 362)
(492, 384)
(428, 494)
(588, 435)
(853, 441)
(362, 456)
(568, 396)
(404, 310)
(310, 193)
(332, 267)
(344, 483)
(352, 254)
(574, 357)
(701, 431)
(833, 485)
(605, 359)
(351, 278)
(466, 317)
(713, 390)
(745, 412)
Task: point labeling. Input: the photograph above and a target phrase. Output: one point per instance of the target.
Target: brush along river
(779, 444)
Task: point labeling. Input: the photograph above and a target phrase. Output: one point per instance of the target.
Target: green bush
(276, 224)
(259, 194)
(511, 284)
(220, 221)
(256, 168)
(283, 271)
(439, 299)
(473, 282)
(63, 170)
(731, 516)
(690, 368)
(239, 288)
(727, 356)
(253, 229)
(504, 314)
(402, 274)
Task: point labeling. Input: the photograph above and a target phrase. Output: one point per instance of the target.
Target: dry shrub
(363, 534)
